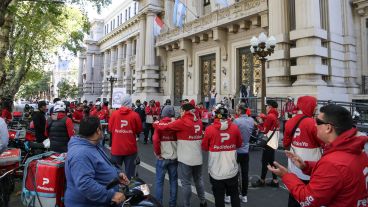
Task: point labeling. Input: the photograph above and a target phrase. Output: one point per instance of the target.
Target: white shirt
(4, 135)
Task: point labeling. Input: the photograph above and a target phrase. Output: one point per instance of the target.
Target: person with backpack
(300, 137)
(165, 146)
(188, 131)
(59, 128)
(88, 169)
(221, 139)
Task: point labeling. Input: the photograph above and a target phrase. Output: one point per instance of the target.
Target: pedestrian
(59, 128)
(288, 110)
(300, 137)
(152, 114)
(124, 125)
(51, 111)
(88, 169)
(246, 126)
(142, 114)
(105, 109)
(188, 131)
(6, 109)
(77, 117)
(268, 128)
(339, 178)
(4, 136)
(221, 139)
(213, 95)
(39, 121)
(165, 145)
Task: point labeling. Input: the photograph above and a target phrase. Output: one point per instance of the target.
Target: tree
(30, 29)
(67, 90)
(36, 83)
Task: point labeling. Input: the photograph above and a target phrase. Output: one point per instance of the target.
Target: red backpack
(44, 180)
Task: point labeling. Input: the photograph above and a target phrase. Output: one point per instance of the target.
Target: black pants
(149, 128)
(292, 202)
(268, 156)
(243, 160)
(230, 186)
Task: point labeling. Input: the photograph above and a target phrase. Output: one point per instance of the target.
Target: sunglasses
(320, 122)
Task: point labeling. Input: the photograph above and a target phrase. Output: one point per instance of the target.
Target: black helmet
(222, 113)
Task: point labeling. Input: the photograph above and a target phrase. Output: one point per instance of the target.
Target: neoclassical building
(321, 50)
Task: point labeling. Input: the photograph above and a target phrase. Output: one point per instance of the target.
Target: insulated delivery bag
(11, 158)
(44, 180)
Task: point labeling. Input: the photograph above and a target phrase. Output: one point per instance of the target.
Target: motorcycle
(137, 193)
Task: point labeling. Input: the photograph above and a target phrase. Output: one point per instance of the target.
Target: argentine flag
(179, 13)
(222, 3)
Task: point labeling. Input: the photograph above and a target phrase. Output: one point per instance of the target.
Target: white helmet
(98, 103)
(59, 107)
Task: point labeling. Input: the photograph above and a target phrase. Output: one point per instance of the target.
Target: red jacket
(77, 116)
(338, 179)
(152, 110)
(271, 122)
(6, 115)
(188, 130)
(106, 111)
(124, 125)
(68, 123)
(164, 142)
(221, 139)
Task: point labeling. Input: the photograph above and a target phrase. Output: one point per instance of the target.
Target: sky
(92, 12)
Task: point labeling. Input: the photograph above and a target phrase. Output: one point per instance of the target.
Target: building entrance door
(250, 72)
(178, 82)
(208, 75)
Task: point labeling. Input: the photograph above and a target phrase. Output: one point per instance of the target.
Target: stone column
(128, 72)
(80, 71)
(118, 65)
(308, 51)
(150, 41)
(112, 60)
(106, 69)
(89, 67)
(169, 5)
(278, 73)
(140, 53)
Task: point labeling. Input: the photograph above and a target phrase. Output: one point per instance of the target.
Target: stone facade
(321, 50)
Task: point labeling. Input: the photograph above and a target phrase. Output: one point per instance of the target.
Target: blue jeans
(212, 102)
(186, 173)
(170, 166)
(129, 163)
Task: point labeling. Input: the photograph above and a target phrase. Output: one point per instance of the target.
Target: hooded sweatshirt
(188, 131)
(304, 141)
(221, 139)
(271, 122)
(338, 179)
(124, 125)
(165, 142)
(88, 171)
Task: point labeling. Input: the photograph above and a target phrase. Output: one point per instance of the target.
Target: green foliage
(67, 90)
(37, 83)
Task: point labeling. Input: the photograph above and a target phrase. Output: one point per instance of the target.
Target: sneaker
(273, 184)
(227, 199)
(203, 204)
(244, 199)
(258, 183)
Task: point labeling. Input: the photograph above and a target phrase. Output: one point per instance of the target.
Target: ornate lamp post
(263, 47)
(111, 79)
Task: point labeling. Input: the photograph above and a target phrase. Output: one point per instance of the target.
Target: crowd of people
(327, 165)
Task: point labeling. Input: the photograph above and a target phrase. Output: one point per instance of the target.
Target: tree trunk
(4, 4)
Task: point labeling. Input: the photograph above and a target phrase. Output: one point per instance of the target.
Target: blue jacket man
(88, 169)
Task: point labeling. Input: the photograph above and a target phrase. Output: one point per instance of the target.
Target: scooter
(137, 193)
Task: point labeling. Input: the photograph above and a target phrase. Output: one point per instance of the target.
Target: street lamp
(111, 79)
(263, 47)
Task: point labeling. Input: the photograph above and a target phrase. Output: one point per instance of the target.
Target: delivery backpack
(11, 158)
(44, 180)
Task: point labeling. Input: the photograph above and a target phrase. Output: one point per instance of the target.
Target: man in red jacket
(221, 139)
(164, 144)
(152, 115)
(188, 131)
(268, 127)
(124, 125)
(303, 142)
(77, 117)
(339, 178)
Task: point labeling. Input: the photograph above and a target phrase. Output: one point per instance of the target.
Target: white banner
(117, 94)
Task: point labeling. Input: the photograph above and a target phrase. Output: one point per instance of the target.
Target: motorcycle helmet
(59, 107)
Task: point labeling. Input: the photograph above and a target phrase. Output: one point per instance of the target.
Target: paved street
(266, 196)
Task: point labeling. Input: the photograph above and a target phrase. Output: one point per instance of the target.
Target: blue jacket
(245, 125)
(88, 170)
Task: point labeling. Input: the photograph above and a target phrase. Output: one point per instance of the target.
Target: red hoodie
(77, 116)
(151, 113)
(221, 139)
(124, 124)
(338, 179)
(304, 142)
(188, 130)
(164, 142)
(271, 121)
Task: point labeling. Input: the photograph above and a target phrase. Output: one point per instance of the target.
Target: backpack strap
(297, 124)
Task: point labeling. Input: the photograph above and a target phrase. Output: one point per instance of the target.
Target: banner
(221, 3)
(158, 25)
(179, 13)
(117, 95)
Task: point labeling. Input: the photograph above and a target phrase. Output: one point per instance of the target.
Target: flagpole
(196, 16)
